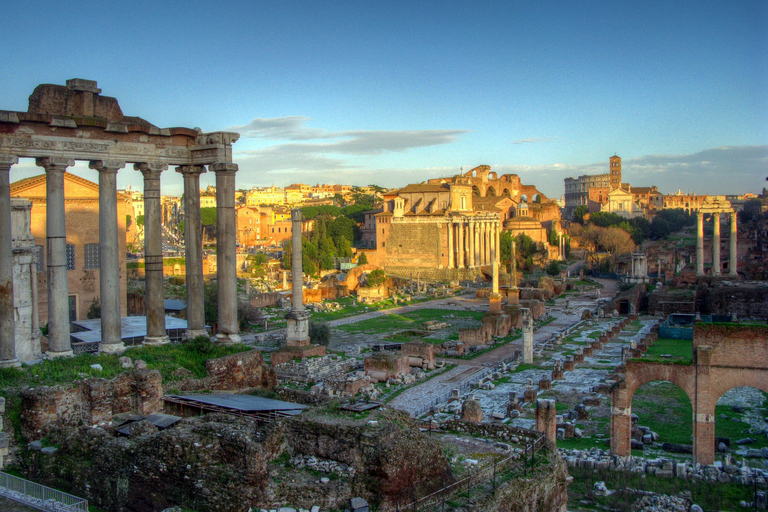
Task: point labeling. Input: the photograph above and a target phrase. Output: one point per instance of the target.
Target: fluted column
(460, 245)
(193, 248)
(483, 245)
(226, 252)
(699, 244)
(153, 253)
(734, 248)
(109, 257)
(7, 327)
(450, 244)
(56, 233)
(471, 244)
(716, 246)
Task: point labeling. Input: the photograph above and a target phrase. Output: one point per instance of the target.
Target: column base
(194, 333)
(227, 339)
(52, 354)
(156, 340)
(112, 348)
(10, 363)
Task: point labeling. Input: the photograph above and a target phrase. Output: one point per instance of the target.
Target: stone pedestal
(494, 302)
(545, 384)
(529, 395)
(471, 411)
(297, 333)
(527, 336)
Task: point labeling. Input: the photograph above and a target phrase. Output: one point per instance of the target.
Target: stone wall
(233, 372)
(389, 364)
(745, 301)
(263, 300)
(433, 274)
(414, 244)
(90, 402)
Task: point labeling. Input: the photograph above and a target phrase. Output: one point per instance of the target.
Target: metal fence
(39, 496)
(481, 475)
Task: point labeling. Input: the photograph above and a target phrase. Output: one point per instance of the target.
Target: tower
(615, 176)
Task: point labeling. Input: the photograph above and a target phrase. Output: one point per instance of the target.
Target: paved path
(610, 287)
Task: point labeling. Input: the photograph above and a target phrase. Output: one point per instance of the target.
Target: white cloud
(531, 140)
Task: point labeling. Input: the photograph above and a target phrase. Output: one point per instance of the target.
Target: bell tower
(615, 175)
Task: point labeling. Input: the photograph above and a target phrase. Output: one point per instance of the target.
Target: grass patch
(165, 358)
(666, 410)
(710, 496)
(410, 320)
(680, 351)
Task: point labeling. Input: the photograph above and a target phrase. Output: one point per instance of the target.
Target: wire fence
(519, 467)
(39, 496)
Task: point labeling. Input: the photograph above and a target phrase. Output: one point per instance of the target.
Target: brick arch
(723, 380)
(676, 374)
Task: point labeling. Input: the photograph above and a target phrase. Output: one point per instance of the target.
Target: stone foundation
(285, 354)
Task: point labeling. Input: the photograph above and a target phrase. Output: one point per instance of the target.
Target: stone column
(471, 244)
(716, 246)
(527, 336)
(497, 242)
(699, 244)
(476, 244)
(153, 253)
(193, 247)
(460, 260)
(56, 233)
(483, 242)
(226, 252)
(734, 249)
(297, 330)
(450, 244)
(109, 257)
(7, 327)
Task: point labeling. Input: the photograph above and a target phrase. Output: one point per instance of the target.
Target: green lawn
(735, 428)
(411, 320)
(680, 351)
(665, 408)
(165, 358)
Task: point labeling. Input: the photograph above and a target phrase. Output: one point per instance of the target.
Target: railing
(39, 496)
(483, 474)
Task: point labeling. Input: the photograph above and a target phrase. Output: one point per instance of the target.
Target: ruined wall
(91, 402)
(233, 372)
(733, 345)
(748, 301)
(414, 244)
(263, 300)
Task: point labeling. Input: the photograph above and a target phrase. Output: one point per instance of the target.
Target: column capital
(54, 163)
(6, 161)
(149, 169)
(296, 215)
(223, 167)
(190, 169)
(106, 165)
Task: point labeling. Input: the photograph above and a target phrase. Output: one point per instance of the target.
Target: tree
(362, 259)
(553, 268)
(319, 333)
(94, 310)
(375, 278)
(579, 213)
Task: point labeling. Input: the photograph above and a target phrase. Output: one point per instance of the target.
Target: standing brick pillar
(621, 422)
(546, 418)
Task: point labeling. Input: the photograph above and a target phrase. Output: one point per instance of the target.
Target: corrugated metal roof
(248, 403)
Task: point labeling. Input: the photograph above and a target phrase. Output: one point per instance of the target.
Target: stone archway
(724, 356)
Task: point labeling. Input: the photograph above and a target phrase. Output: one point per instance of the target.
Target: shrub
(319, 333)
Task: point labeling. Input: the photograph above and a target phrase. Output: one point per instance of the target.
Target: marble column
(483, 242)
(699, 244)
(527, 336)
(7, 327)
(193, 247)
(497, 242)
(153, 253)
(56, 233)
(109, 257)
(716, 246)
(734, 248)
(450, 244)
(476, 243)
(460, 245)
(226, 252)
(471, 244)
(297, 329)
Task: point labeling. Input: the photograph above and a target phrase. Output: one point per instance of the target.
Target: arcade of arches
(725, 356)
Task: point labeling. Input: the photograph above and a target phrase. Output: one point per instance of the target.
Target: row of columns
(109, 276)
(473, 243)
(716, 265)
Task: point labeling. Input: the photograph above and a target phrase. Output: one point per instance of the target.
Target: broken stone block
(49, 450)
(358, 505)
(125, 362)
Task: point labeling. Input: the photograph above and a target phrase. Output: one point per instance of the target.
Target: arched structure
(725, 356)
(75, 122)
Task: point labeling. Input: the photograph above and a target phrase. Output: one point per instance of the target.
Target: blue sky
(397, 92)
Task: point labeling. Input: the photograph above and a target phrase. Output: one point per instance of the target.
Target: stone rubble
(322, 465)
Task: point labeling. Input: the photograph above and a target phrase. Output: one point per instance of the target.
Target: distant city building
(577, 189)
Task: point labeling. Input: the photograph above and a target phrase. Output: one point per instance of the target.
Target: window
(39, 254)
(92, 256)
(70, 257)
